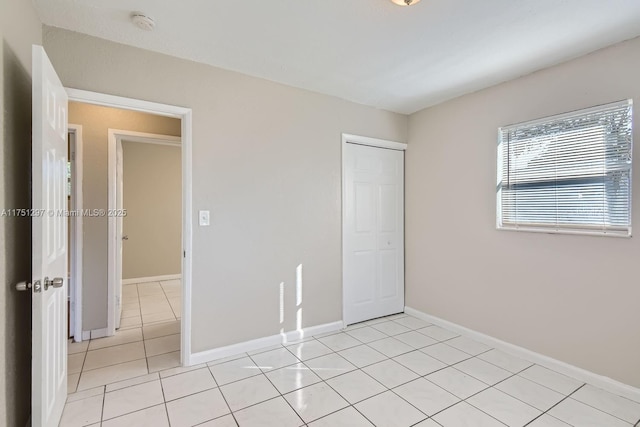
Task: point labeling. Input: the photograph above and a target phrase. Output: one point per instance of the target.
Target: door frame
(115, 137)
(370, 142)
(75, 245)
(185, 115)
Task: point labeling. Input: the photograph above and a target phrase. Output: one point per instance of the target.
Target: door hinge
(184, 254)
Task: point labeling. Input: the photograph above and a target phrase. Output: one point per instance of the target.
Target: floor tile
(188, 383)
(180, 370)
(356, 386)
(227, 359)
(529, 392)
(438, 333)
(162, 345)
(72, 383)
(505, 361)
(503, 407)
(340, 341)
(347, 417)
(131, 399)
(390, 328)
(130, 322)
(309, 349)
(131, 382)
(158, 317)
(265, 349)
(412, 322)
(121, 337)
(111, 374)
(82, 412)
(355, 326)
(197, 408)
(389, 410)
(445, 354)
(292, 377)
(366, 334)
(75, 362)
(329, 366)
(234, 370)
(130, 312)
(224, 421)
(426, 396)
(272, 413)
(610, 403)
(419, 362)
(156, 307)
(390, 347)
(427, 423)
(362, 355)
(155, 416)
(98, 391)
(551, 379)
(163, 362)
(483, 371)
(465, 415)
(161, 329)
(578, 414)
(114, 355)
(456, 382)
(77, 347)
(415, 339)
(315, 401)
(546, 420)
(468, 345)
(274, 359)
(390, 373)
(247, 392)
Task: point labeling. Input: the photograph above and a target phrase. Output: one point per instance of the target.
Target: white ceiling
(368, 51)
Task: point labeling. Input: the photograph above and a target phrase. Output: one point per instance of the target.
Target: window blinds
(568, 173)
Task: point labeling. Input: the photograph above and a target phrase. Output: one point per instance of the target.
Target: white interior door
(119, 231)
(49, 257)
(373, 232)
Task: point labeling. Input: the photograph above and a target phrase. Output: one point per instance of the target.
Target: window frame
(558, 228)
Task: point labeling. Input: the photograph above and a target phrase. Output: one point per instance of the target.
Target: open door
(49, 234)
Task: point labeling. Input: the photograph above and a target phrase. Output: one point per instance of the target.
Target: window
(569, 173)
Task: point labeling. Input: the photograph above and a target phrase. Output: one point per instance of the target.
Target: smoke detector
(143, 21)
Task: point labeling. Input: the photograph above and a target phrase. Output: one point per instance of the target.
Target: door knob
(55, 282)
(24, 286)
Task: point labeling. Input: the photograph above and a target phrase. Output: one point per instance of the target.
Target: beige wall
(574, 298)
(19, 29)
(153, 200)
(266, 163)
(96, 121)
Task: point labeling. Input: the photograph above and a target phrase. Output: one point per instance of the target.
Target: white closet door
(373, 232)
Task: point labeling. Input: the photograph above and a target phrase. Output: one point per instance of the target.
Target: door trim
(185, 115)
(76, 245)
(115, 137)
(358, 140)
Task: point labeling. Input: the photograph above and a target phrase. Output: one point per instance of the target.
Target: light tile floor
(148, 340)
(394, 371)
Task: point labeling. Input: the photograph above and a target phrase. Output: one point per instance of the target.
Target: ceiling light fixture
(405, 2)
(143, 21)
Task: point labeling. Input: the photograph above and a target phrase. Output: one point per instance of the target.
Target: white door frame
(371, 142)
(75, 246)
(185, 115)
(115, 138)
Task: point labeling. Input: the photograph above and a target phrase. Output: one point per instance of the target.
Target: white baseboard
(600, 381)
(151, 279)
(257, 344)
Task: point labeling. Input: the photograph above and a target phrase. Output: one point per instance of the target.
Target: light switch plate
(203, 218)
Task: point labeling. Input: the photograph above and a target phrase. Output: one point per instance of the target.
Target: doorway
(372, 228)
